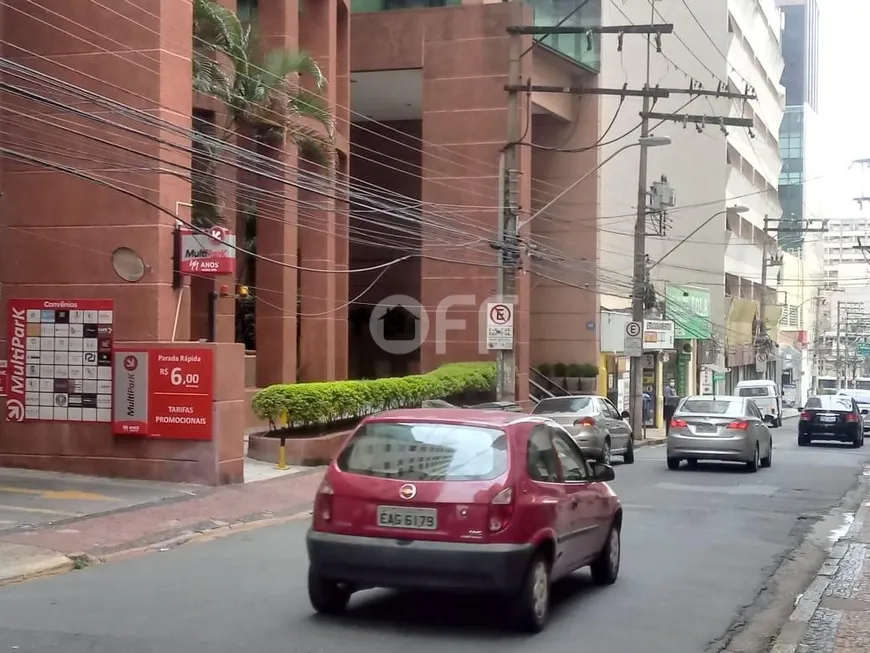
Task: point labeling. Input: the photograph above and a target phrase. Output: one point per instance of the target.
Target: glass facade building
(800, 77)
(791, 178)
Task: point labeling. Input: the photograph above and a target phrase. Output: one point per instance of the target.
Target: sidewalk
(73, 543)
(833, 614)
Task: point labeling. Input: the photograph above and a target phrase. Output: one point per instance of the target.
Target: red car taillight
(806, 416)
(585, 422)
(677, 423)
(501, 509)
(738, 425)
(323, 501)
(852, 417)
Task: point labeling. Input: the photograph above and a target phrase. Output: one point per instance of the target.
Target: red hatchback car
(461, 500)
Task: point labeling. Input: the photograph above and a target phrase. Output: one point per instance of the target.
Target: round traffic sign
(500, 314)
(632, 329)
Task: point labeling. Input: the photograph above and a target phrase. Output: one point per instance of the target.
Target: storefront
(689, 309)
(771, 368)
(740, 334)
(613, 364)
(658, 346)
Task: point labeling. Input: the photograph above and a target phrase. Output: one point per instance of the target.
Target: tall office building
(797, 134)
(720, 270)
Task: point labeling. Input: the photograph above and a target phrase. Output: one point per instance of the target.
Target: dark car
(831, 418)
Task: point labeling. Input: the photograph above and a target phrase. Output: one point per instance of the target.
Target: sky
(844, 102)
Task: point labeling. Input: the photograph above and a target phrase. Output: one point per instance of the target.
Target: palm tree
(265, 102)
(261, 92)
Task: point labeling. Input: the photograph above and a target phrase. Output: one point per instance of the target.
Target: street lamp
(731, 210)
(646, 141)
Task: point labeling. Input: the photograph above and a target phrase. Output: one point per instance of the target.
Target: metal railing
(541, 386)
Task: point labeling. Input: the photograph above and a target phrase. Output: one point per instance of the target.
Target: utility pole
(508, 242)
(762, 326)
(862, 198)
(508, 255)
(845, 311)
(766, 261)
(761, 346)
(817, 339)
(638, 288)
(839, 354)
(649, 94)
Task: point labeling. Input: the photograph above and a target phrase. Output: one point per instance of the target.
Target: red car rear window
(417, 451)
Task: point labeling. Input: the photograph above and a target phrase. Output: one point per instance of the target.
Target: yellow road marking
(68, 495)
(40, 511)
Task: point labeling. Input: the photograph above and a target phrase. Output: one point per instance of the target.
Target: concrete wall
(565, 292)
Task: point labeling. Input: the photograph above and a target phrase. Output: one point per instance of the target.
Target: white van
(766, 395)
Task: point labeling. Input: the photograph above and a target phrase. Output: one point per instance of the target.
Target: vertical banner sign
(59, 360)
(130, 416)
(3, 368)
(164, 393)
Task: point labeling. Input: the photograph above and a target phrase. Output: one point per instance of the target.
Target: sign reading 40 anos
(214, 253)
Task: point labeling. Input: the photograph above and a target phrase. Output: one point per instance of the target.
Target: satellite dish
(128, 264)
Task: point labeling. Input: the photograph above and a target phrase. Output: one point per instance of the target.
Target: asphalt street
(698, 545)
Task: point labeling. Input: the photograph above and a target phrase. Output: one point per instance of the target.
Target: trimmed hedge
(308, 404)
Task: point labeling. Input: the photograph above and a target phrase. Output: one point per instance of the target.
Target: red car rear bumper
(417, 564)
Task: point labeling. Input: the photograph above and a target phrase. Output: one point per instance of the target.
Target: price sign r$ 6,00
(179, 378)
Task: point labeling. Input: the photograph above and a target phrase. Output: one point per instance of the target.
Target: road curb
(793, 597)
(55, 564)
(193, 537)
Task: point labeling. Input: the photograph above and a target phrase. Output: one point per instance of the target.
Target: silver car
(594, 423)
(719, 428)
(862, 398)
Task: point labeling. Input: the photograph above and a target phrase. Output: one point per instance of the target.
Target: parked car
(766, 395)
(719, 428)
(831, 418)
(862, 398)
(510, 406)
(463, 500)
(594, 423)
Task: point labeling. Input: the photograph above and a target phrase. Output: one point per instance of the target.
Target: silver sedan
(594, 423)
(862, 398)
(719, 428)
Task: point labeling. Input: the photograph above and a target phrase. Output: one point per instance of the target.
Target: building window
(246, 10)
(365, 6)
(585, 49)
(390, 5)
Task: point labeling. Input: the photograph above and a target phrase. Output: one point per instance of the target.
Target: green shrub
(585, 370)
(560, 370)
(545, 368)
(306, 404)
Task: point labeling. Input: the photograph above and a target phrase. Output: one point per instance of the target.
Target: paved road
(698, 545)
